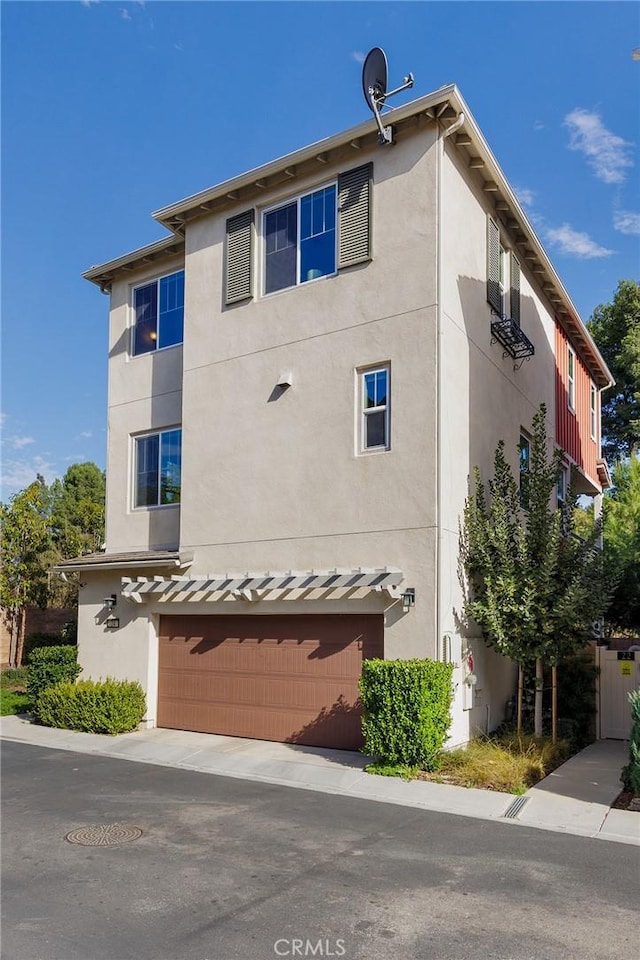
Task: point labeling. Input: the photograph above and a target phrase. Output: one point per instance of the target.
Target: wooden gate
(619, 675)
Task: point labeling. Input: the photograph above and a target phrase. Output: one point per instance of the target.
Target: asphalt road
(233, 869)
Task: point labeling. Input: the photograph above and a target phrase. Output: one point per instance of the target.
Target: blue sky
(113, 109)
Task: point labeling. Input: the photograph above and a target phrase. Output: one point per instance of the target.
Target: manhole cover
(103, 834)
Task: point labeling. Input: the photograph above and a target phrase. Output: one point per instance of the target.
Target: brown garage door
(286, 678)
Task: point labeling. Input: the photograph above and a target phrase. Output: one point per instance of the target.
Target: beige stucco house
(302, 375)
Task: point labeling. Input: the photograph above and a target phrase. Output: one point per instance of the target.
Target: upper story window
(525, 462)
(158, 313)
(571, 380)
(503, 276)
(374, 409)
(562, 488)
(314, 235)
(158, 463)
(593, 411)
(300, 240)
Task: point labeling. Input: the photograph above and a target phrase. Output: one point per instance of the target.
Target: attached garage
(292, 679)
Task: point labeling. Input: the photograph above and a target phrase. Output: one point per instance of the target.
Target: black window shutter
(354, 216)
(515, 290)
(239, 257)
(493, 266)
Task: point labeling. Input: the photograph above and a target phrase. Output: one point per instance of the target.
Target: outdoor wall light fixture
(110, 602)
(408, 598)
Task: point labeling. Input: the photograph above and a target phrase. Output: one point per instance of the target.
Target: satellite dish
(374, 86)
(374, 78)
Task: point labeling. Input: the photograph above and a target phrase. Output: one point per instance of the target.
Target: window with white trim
(300, 239)
(314, 235)
(593, 411)
(157, 468)
(571, 380)
(374, 408)
(524, 448)
(158, 309)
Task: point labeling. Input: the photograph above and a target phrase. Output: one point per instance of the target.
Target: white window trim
(593, 411)
(133, 469)
(262, 245)
(571, 379)
(361, 449)
(132, 313)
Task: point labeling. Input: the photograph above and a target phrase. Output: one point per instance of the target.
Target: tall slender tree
(535, 586)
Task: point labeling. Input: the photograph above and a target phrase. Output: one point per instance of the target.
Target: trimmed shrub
(48, 666)
(407, 707)
(104, 706)
(37, 640)
(631, 773)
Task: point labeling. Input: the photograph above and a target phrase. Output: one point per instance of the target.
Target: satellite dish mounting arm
(374, 84)
(378, 99)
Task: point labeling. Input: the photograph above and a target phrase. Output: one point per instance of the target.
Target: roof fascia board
(152, 251)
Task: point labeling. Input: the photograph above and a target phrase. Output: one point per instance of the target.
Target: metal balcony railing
(516, 343)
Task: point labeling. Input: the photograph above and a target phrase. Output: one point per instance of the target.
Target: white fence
(619, 675)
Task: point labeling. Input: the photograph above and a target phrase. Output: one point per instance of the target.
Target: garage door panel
(280, 678)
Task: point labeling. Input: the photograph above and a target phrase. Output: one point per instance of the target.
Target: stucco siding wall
(144, 394)
(483, 401)
(127, 653)
(275, 483)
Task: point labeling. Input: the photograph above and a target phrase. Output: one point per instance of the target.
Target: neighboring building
(301, 379)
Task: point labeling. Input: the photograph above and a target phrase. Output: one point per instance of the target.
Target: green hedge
(49, 666)
(631, 773)
(105, 706)
(407, 710)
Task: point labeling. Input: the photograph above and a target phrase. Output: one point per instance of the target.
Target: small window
(374, 406)
(158, 461)
(593, 412)
(563, 485)
(571, 380)
(300, 240)
(158, 314)
(525, 461)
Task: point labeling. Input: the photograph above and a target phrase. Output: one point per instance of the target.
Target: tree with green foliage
(535, 586)
(621, 510)
(42, 525)
(77, 510)
(25, 543)
(76, 520)
(615, 327)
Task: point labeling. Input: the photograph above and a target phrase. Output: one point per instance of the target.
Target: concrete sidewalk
(575, 799)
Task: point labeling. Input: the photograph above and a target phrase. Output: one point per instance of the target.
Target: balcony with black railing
(516, 344)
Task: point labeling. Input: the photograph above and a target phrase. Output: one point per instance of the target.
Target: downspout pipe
(457, 123)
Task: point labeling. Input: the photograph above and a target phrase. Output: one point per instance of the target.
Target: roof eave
(167, 215)
(103, 274)
(182, 559)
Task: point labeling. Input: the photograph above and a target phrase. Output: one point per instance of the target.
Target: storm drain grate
(515, 808)
(103, 834)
